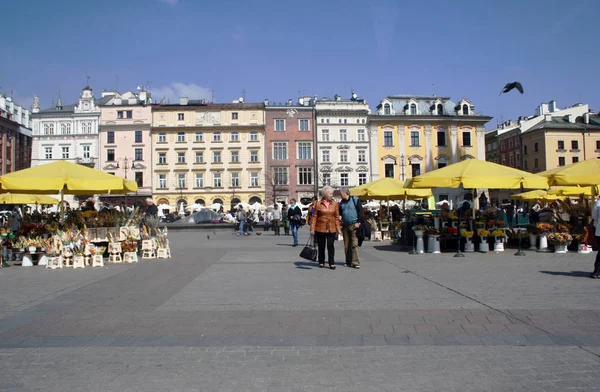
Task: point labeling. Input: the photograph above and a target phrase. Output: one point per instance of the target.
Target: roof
(426, 105)
(195, 104)
(563, 123)
(65, 109)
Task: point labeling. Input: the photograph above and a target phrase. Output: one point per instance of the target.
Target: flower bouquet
(544, 227)
(129, 245)
(560, 238)
(483, 232)
(497, 233)
(467, 234)
(432, 231)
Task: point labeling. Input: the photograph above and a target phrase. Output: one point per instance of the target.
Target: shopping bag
(310, 250)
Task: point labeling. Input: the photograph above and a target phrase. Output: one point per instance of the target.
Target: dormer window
(413, 108)
(387, 109)
(465, 109)
(440, 109)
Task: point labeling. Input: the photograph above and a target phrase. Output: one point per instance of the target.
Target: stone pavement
(246, 314)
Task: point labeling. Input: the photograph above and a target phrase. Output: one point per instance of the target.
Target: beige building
(208, 153)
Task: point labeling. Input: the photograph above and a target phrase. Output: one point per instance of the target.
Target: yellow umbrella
(537, 194)
(388, 188)
(474, 173)
(65, 178)
(572, 191)
(9, 198)
(584, 173)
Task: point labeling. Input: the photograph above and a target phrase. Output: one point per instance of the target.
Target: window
(535, 148)
(234, 115)
(198, 137)
(217, 180)
(129, 114)
(139, 179)
(413, 109)
(343, 135)
(440, 109)
(574, 145)
(65, 128)
(326, 177)
(305, 176)
(304, 125)
(110, 137)
(86, 127)
(181, 157)
(325, 156)
(525, 165)
(254, 156)
(511, 160)
(199, 157)
(344, 156)
(501, 146)
(139, 154)
(235, 156)
(325, 135)
(441, 165)
(387, 109)
(561, 161)
(110, 155)
(254, 179)
(162, 158)
(280, 175)
(162, 137)
(575, 159)
(216, 156)
(48, 129)
(280, 151)
(465, 109)
(414, 139)
(304, 150)
(181, 180)
(510, 143)
(467, 138)
(416, 169)
(389, 170)
(162, 181)
(65, 153)
(518, 159)
(561, 144)
(362, 178)
(120, 114)
(235, 136)
(253, 136)
(344, 179)
(388, 138)
(597, 144)
(361, 135)
(199, 180)
(235, 180)
(280, 125)
(48, 152)
(180, 116)
(138, 136)
(180, 137)
(362, 156)
(216, 136)
(441, 138)
(525, 150)
(535, 163)
(85, 152)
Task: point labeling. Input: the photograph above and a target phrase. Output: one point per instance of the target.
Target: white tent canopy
(195, 207)
(257, 206)
(215, 206)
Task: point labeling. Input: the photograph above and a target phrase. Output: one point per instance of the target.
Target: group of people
(282, 215)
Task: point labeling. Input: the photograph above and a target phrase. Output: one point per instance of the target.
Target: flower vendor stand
(483, 234)
(499, 238)
(433, 241)
(130, 251)
(560, 241)
(469, 245)
(115, 250)
(148, 249)
(544, 229)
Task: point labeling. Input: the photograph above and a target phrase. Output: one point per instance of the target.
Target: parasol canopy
(573, 191)
(537, 194)
(475, 173)
(388, 188)
(70, 178)
(195, 207)
(10, 198)
(584, 173)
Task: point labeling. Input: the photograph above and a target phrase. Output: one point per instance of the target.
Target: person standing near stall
(295, 218)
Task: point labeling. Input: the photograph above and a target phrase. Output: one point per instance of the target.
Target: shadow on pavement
(304, 265)
(575, 274)
(389, 248)
(285, 245)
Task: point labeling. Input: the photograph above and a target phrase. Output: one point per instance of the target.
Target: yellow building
(417, 134)
(208, 153)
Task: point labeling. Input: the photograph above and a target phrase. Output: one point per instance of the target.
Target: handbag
(310, 250)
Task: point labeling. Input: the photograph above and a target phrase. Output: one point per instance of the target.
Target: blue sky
(280, 49)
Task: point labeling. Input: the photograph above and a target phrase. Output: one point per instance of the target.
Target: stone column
(454, 142)
(374, 158)
(480, 140)
(402, 158)
(428, 157)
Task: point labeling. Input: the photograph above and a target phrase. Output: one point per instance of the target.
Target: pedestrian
(325, 226)
(596, 218)
(295, 218)
(352, 214)
(241, 218)
(276, 219)
(311, 209)
(267, 221)
(284, 219)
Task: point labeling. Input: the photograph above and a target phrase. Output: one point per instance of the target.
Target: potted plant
(433, 240)
(544, 229)
(560, 241)
(419, 231)
(499, 237)
(483, 235)
(469, 246)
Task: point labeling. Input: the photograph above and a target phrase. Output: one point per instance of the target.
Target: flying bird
(208, 237)
(510, 86)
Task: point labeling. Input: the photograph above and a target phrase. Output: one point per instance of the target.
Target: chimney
(547, 117)
(586, 118)
(571, 118)
(289, 102)
(143, 96)
(183, 100)
(266, 102)
(552, 106)
(301, 101)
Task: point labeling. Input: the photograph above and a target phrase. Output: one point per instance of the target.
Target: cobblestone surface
(245, 314)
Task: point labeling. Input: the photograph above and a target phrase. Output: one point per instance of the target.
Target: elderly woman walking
(325, 225)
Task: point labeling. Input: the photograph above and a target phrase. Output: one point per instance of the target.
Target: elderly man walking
(352, 214)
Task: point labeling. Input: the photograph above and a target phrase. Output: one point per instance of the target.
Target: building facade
(66, 132)
(208, 153)
(124, 137)
(290, 151)
(15, 136)
(343, 142)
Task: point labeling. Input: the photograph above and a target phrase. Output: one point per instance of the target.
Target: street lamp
(126, 164)
(402, 167)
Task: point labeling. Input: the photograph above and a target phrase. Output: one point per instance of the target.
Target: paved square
(246, 314)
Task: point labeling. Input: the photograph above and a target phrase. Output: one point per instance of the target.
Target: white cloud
(174, 91)
(170, 2)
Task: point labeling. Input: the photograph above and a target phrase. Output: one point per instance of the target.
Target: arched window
(255, 199)
(48, 129)
(162, 201)
(440, 109)
(68, 128)
(180, 202)
(63, 128)
(200, 202)
(218, 201)
(413, 108)
(235, 201)
(465, 109)
(387, 109)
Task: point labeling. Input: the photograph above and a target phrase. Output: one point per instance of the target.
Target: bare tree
(273, 189)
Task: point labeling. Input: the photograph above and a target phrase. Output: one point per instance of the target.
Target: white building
(66, 132)
(343, 142)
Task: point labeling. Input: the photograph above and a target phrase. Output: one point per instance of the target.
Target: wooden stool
(376, 236)
(97, 261)
(385, 235)
(130, 257)
(78, 262)
(54, 262)
(164, 253)
(115, 258)
(148, 249)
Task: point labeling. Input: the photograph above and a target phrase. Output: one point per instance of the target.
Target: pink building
(124, 139)
(290, 151)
